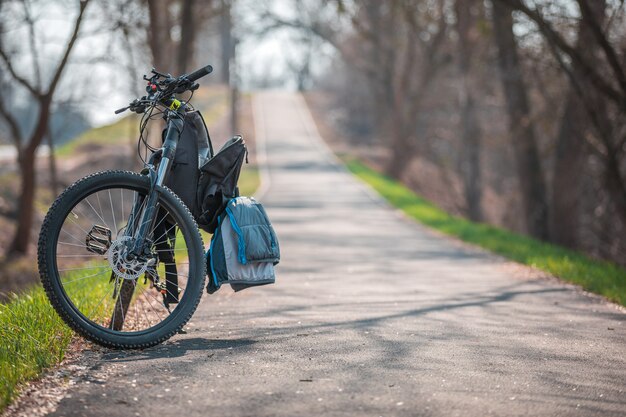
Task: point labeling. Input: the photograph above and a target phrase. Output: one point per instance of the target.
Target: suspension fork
(148, 216)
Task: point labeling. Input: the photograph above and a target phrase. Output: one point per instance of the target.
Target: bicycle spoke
(158, 303)
(101, 211)
(123, 304)
(77, 225)
(88, 276)
(137, 301)
(73, 237)
(85, 267)
(70, 244)
(93, 310)
(94, 210)
(164, 234)
(112, 213)
(122, 205)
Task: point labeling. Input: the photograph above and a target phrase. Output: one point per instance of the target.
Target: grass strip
(593, 275)
(32, 338)
(116, 133)
(213, 103)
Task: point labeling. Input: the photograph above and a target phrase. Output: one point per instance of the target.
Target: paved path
(372, 315)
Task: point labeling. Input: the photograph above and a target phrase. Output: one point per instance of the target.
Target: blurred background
(508, 112)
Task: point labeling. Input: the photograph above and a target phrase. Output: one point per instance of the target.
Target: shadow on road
(177, 348)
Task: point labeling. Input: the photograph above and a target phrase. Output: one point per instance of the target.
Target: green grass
(116, 133)
(593, 275)
(32, 338)
(213, 102)
(249, 180)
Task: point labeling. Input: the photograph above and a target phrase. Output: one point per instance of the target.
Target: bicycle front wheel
(107, 296)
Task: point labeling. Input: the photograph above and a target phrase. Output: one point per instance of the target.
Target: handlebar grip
(123, 109)
(200, 73)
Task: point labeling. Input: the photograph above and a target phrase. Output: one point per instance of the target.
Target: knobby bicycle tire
(53, 286)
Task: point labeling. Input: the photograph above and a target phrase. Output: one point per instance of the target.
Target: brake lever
(160, 74)
(184, 84)
(137, 106)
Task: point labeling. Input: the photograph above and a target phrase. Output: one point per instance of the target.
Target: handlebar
(164, 86)
(196, 75)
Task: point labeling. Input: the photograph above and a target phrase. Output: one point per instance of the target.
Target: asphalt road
(372, 315)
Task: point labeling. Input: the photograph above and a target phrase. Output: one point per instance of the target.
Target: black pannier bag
(217, 184)
(193, 150)
(204, 181)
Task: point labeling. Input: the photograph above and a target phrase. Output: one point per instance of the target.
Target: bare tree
(599, 80)
(466, 22)
(177, 55)
(188, 30)
(226, 40)
(300, 66)
(52, 162)
(159, 35)
(530, 171)
(407, 41)
(571, 149)
(606, 73)
(44, 94)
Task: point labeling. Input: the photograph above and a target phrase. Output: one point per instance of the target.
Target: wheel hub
(120, 263)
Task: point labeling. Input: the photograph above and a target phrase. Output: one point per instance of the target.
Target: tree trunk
(615, 185)
(21, 239)
(54, 179)
(234, 92)
(401, 149)
(470, 125)
(569, 169)
(398, 162)
(569, 164)
(471, 138)
(27, 153)
(381, 101)
(226, 40)
(26, 161)
(187, 45)
(159, 35)
(530, 173)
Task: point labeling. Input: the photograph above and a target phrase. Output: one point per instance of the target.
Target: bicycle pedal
(98, 240)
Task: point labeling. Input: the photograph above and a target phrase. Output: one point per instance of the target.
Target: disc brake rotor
(123, 268)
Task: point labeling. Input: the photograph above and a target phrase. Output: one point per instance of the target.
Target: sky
(96, 82)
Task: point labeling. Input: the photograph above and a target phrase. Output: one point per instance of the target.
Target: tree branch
(13, 125)
(552, 36)
(16, 76)
(611, 56)
(33, 44)
(317, 30)
(68, 49)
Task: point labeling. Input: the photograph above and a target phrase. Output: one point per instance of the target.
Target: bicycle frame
(167, 152)
(142, 242)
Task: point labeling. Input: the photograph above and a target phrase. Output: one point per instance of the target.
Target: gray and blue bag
(244, 247)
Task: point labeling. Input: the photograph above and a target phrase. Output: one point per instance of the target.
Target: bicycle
(120, 255)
